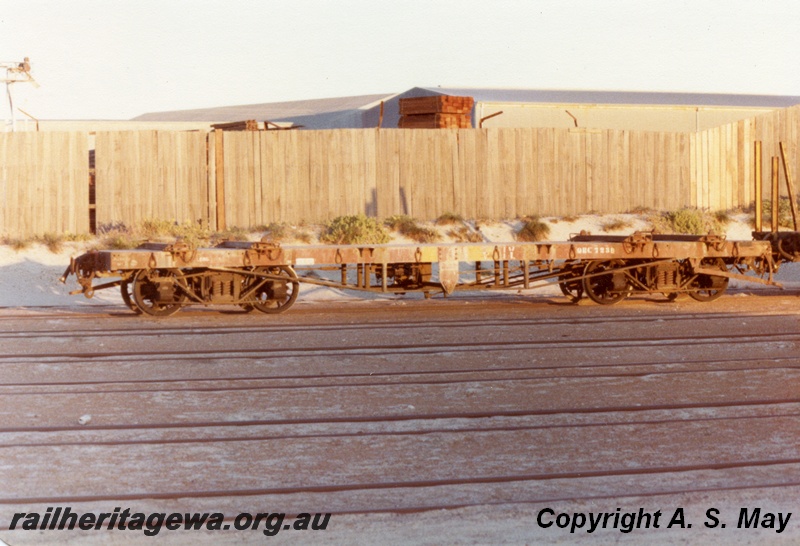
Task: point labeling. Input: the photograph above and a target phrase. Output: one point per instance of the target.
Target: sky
(115, 59)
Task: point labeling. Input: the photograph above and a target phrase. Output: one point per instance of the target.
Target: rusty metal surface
(606, 268)
(246, 255)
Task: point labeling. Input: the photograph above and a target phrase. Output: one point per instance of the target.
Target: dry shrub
(784, 213)
(18, 243)
(449, 219)
(230, 234)
(408, 227)
(463, 234)
(616, 224)
(280, 231)
(354, 230)
(53, 241)
(533, 229)
(688, 221)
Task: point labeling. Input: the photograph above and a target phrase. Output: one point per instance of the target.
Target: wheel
(275, 295)
(601, 289)
(573, 289)
(709, 287)
(156, 293)
(126, 290)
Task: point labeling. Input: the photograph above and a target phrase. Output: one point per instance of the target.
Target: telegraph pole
(16, 72)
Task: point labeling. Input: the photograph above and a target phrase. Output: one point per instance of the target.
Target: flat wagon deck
(159, 279)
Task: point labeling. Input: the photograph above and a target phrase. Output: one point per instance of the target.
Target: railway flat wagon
(159, 279)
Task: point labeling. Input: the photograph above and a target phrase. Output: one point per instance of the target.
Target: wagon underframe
(159, 278)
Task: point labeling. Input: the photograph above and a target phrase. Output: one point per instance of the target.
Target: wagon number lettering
(595, 250)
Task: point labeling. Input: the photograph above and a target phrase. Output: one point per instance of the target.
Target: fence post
(758, 191)
(219, 172)
(775, 195)
(789, 186)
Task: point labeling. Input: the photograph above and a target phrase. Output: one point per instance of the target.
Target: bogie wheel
(156, 293)
(573, 289)
(672, 296)
(126, 289)
(710, 287)
(276, 295)
(600, 288)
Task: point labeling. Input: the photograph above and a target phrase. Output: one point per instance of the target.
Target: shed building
(624, 110)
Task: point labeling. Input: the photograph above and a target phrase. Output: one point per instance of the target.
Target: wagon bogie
(126, 290)
(609, 282)
(271, 290)
(158, 292)
(570, 282)
(707, 287)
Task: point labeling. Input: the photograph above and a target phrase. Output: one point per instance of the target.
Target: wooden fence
(44, 183)
(722, 158)
(290, 176)
(478, 173)
(248, 179)
(143, 175)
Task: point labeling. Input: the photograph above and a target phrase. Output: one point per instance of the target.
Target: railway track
(125, 330)
(405, 409)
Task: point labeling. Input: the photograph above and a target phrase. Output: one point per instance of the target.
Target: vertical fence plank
(270, 189)
(611, 174)
(633, 184)
(467, 189)
(369, 143)
(731, 165)
(684, 169)
(545, 172)
(663, 191)
(388, 173)
(487, 173)
(560, 182)
(741, 162)
(208, 202)
(506, 170)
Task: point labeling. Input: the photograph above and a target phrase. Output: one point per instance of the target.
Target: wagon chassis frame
(161, 278)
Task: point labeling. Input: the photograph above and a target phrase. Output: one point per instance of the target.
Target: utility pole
(16, 72)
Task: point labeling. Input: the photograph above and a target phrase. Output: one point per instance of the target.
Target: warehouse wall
(619, 117)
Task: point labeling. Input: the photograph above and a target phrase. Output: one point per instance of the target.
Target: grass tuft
(230, 234)
(449, 219)
(53, 241)
(408, 227)
(18, 243)
(616, 224)
(533, 229)
(463, 234)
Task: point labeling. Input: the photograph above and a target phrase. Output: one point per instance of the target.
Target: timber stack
(247, 125)
(436, 112)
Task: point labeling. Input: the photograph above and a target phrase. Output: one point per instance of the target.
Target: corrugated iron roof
(272, 111)
(330, 112)
(617, 97)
